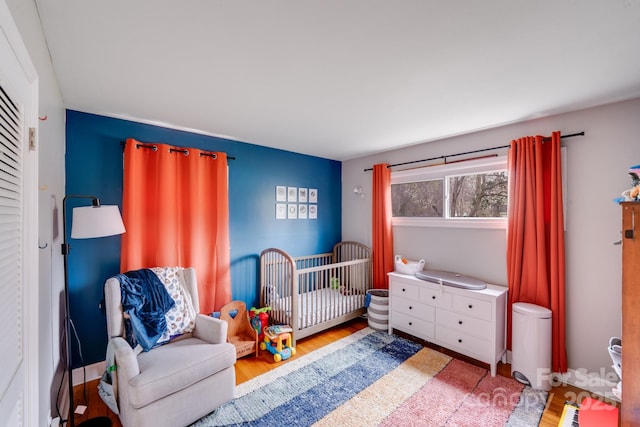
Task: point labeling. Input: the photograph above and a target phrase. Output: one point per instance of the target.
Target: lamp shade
(96, 221)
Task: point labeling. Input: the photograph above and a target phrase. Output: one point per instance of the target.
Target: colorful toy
(259, 320)
(278, 344)
(633, 193)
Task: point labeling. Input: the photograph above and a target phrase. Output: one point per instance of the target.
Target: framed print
(302, 211)
(281, 193)
(292, 194)
(313, 195)
(313, 211)
(292, 211)
(281, 210)
(302, 195)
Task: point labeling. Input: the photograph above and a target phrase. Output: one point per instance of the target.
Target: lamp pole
(110, 230)
(66, 248)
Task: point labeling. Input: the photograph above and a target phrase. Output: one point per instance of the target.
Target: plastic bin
(378, 309)
(531, 345)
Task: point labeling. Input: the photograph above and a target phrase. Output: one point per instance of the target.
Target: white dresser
(465, 321)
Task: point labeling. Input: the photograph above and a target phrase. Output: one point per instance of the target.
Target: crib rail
(347, 251)
(330, 291)
(314, 292)
(309, 261)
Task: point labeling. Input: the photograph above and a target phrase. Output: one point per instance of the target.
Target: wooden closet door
(630, 314)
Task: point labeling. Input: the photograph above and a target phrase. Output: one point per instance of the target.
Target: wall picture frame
(292, 211)
(313, 211)
(303, 195)
(302, 211)
(292, 194)
(281, 211)
(281, 193)
(313, 195)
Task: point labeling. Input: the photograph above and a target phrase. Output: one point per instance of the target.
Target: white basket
(411, 267)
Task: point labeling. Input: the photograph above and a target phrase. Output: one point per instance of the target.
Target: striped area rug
(372, 378)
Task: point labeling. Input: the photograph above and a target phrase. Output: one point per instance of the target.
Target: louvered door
(18, 225)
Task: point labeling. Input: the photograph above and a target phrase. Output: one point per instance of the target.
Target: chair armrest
(210, 329)
(126, 359)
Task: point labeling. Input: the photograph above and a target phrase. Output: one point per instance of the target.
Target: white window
(464, 194)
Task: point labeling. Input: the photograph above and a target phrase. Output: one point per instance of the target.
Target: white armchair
(176, 383)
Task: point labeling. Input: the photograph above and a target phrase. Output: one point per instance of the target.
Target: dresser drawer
(412, 325)
(473, 307)
(464, 324)
(435, 297)
(413, 309)
(405, 290)
(463, 343)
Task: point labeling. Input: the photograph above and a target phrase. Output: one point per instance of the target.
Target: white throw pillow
(182, 317)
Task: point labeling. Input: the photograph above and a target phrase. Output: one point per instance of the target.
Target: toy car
(274, 343)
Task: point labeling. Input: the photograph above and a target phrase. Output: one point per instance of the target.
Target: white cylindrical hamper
(531, 345)
(378, 309)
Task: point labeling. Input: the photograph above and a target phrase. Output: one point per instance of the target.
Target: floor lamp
(88, 222)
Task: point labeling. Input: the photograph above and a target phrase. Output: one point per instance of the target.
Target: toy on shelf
(259, 319)
(633, 193)
(278, 344)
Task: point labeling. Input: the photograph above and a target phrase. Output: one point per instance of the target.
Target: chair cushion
(175, 366)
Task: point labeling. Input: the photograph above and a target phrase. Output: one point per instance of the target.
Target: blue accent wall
(94, 167)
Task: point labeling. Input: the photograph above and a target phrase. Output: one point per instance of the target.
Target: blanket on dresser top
(146, 300)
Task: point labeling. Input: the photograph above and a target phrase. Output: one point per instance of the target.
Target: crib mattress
(319, 306)
(451, 279)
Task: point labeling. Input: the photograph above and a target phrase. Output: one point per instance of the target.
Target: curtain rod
(470, 152)
(184, 151)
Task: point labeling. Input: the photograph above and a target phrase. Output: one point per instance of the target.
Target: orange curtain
(176, 211)
(382, 251)
(535, 237)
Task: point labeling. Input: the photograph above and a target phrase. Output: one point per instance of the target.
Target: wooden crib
(315, 292)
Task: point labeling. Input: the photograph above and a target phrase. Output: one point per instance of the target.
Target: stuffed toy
(634, 192)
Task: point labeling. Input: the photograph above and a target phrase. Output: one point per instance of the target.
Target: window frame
(444, 171)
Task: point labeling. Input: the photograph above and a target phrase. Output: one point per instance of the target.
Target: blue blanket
(145, 300)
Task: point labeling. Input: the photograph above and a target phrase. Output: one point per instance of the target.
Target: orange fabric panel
(535, 235)
(176, 212)
(382, 249)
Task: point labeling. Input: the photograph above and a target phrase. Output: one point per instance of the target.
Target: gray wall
(596, 172)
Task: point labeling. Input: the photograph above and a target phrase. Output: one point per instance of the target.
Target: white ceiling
(341, 78)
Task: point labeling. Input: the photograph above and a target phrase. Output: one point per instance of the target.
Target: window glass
(480, 195)
(418, 199)
(462, 194)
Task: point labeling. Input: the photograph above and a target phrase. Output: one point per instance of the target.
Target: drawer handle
(460, 340)
(410, 323)
(470, 306)
(433, 297)
(410, 308)
(459, 322)
(404, 290)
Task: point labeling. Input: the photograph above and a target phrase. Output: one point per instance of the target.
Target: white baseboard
(600, 383)
(93, 372)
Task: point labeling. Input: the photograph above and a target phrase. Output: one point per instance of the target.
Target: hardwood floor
(250, 366)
